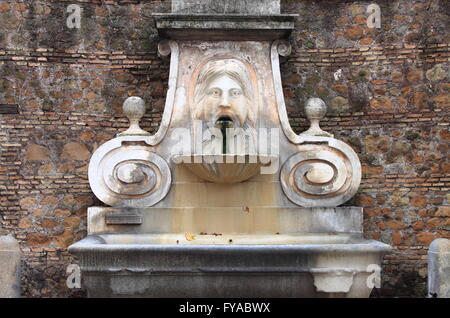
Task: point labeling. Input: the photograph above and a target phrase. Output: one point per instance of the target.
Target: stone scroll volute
(126, 171)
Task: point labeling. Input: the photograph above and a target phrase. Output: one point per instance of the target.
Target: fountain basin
(228, 265)
(226, 168)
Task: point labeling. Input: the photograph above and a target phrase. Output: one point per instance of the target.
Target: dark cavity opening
(223, 123)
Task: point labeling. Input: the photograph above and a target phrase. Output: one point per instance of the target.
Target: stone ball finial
(315, 110)
(134, 109)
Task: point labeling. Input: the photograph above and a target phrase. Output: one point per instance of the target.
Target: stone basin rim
(96, 243)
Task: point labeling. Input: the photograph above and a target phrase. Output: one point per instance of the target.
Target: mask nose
(225, 102)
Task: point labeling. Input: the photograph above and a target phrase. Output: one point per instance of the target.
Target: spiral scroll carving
(128, 175)
(284, 48)
(321, 175)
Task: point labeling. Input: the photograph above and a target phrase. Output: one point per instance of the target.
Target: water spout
(224, 123)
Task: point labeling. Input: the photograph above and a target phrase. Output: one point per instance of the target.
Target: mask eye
(236, 92)
(215, 92)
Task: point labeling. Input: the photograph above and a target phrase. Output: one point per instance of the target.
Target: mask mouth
(224, 122)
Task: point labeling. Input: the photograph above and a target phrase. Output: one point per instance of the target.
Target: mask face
(224, 98)
(223, 95)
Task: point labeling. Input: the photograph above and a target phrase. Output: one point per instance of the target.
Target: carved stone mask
(224, 91)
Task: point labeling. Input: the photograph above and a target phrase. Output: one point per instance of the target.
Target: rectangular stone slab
(9, 109)
(439, 268)
(9, 267)
(129, 217)
(226, 6)
(248, 220)
(209, 27)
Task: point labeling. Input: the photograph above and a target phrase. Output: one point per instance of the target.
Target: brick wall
(387, 90)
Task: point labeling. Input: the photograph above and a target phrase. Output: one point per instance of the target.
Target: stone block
(213, 219)
(439, 268)
(9, 267)
(220, 27)
(226, 6)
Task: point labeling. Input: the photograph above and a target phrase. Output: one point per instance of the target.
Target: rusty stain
(189, 236)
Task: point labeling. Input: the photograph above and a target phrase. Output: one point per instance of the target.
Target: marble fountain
(225, 199)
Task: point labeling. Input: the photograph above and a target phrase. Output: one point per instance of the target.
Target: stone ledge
(347, 220)
(224, 26)
(226, 6)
